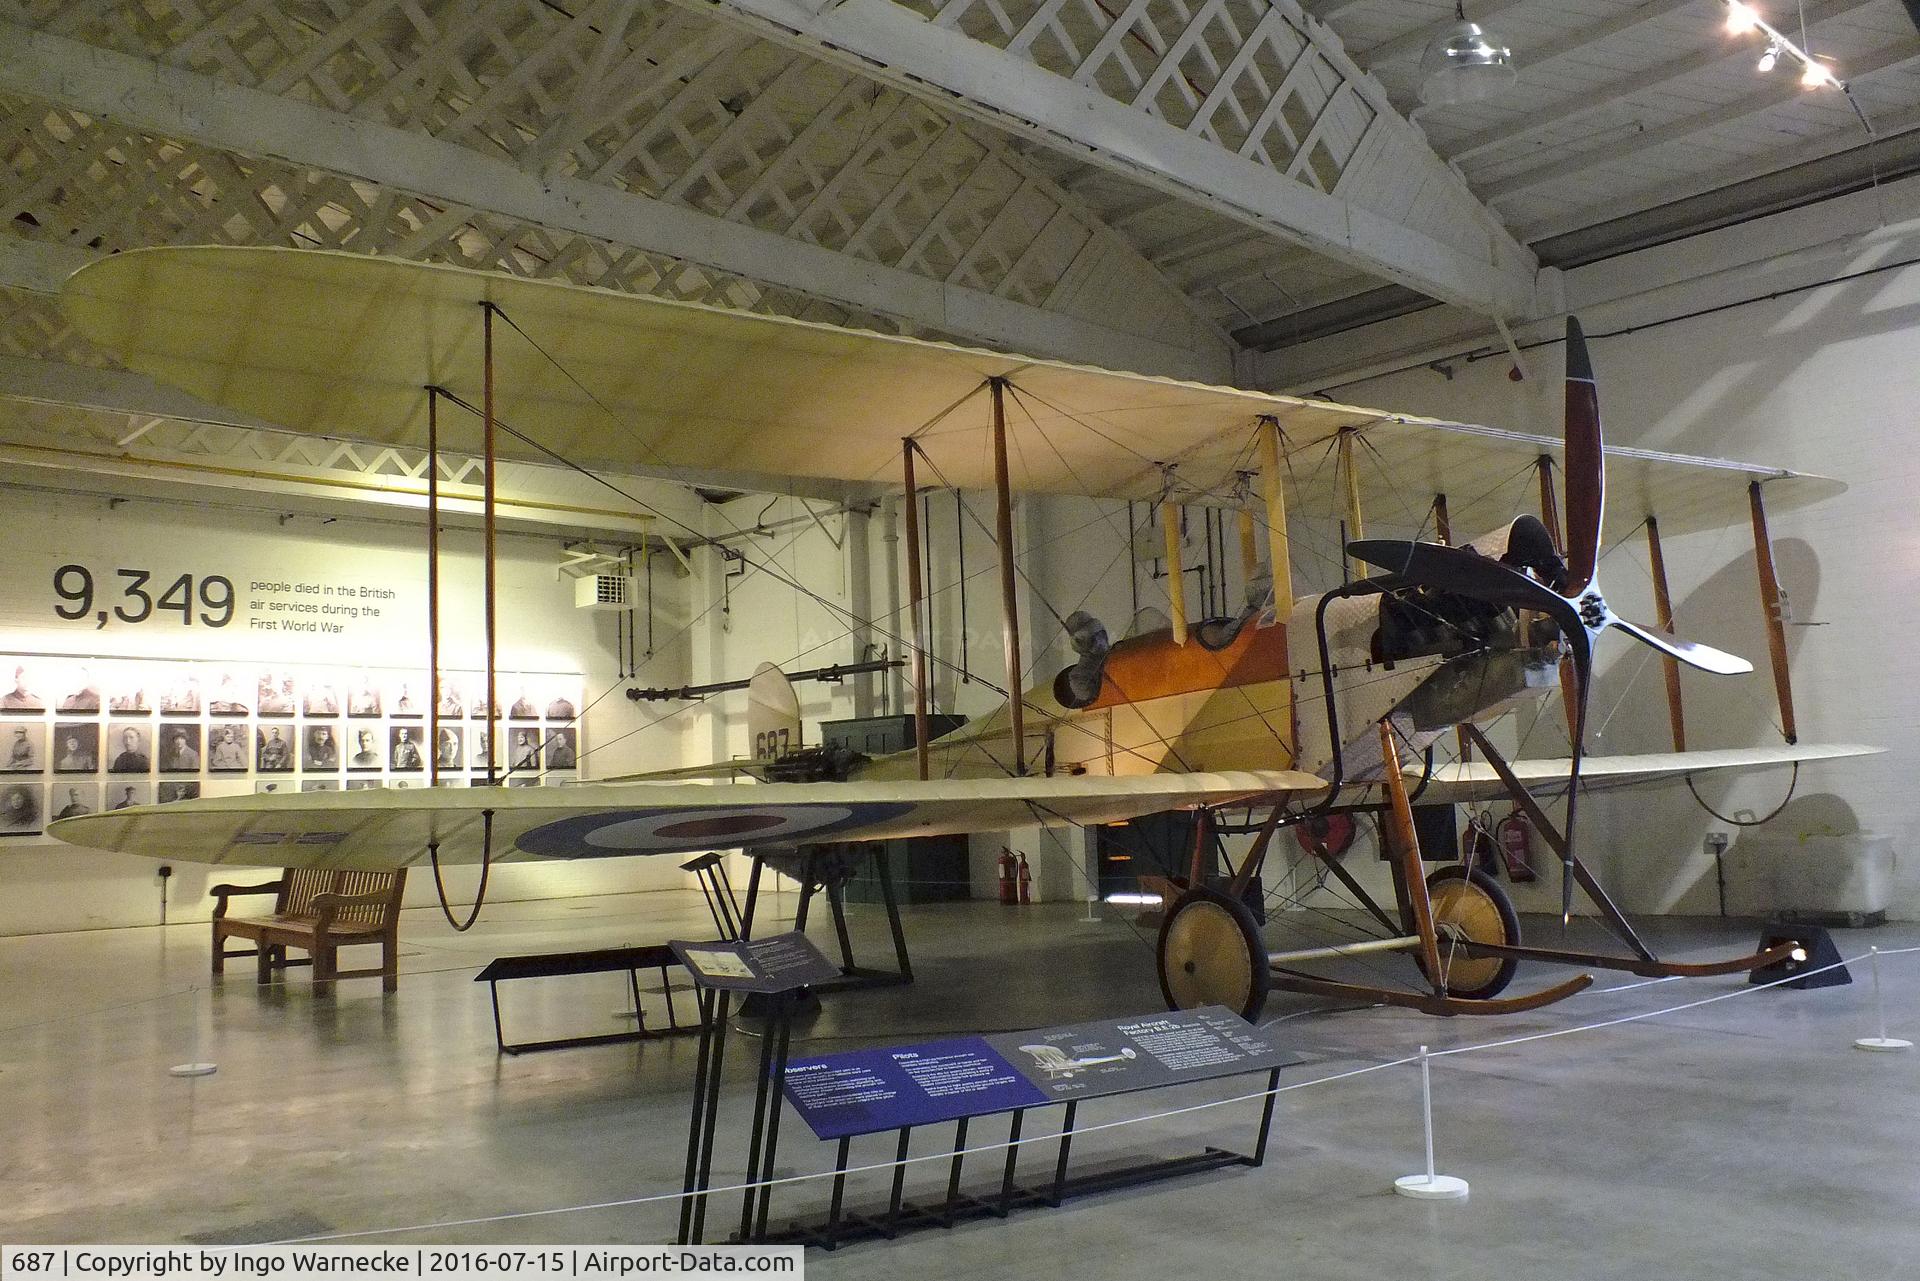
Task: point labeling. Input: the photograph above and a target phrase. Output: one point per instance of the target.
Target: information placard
(777, 963)
(866, 1091)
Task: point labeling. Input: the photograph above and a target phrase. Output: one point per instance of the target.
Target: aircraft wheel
(1211, 953)
(1471, 905)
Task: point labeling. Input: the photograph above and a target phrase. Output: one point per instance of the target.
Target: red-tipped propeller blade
(1584, 465)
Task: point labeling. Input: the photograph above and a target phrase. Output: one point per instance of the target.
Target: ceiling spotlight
(1741, 18)
(1770, 59)
(1464, 64)
(1813, 75)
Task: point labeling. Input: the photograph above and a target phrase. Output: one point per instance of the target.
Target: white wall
(1821, 381)
(48, 886)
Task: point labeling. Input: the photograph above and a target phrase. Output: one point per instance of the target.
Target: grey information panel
(885, 1088)
(1116, 1056)
(777, 963)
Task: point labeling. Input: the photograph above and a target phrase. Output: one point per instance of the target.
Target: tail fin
(773, 714)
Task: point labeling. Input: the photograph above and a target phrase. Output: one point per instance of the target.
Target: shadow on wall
(1648, 843)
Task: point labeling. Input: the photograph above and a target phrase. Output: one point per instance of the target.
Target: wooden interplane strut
(916, 589)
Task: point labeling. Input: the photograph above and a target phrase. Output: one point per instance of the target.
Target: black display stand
(773, 970)
(813, 882)
(607, 960)
(997, 1201)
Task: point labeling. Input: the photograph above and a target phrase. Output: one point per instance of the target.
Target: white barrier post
(195, 1067)
(1429, 1186)
(1883, 1041)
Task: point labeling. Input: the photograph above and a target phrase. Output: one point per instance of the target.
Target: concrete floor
(1742, 1139)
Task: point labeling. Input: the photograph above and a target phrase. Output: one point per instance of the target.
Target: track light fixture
(1743, 19)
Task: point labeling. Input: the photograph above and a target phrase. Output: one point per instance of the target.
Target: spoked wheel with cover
(1470, 907)
(1211, 953)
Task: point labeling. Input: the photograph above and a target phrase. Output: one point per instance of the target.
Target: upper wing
(676, 385)
(384, 828)
(1477, 780)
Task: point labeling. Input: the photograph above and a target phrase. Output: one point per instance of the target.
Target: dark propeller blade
(1582, 656)
(1463, 570)
(1584, 464)
(1704, 657)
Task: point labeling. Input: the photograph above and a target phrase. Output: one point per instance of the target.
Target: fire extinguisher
(1026, 881)
(1009, 888)
(1478, 848)
(1516, 846)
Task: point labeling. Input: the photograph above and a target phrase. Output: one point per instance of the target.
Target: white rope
(1079, 1131)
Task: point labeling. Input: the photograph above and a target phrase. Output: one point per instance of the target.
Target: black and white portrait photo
(23, 749)
(129, 749)
(323, 698)
(168, 793)
(320, 785)
(366, 750)
(71, 800)
(83, 692)
(273, 749)
(453, 702)
(23, 692)
(321, 749)
(365, 698)
(124, 796)
(274, 697)
(19, 809)
(446, 748)
(406, 697)
(524, 708)
(563, 748)
(561, 707)
(359, 784)
(523, 752)
(229, 697)
(181, 696)
(227, 749)
(76, 748)
(179, 749)
(404, 755)
(127, 695)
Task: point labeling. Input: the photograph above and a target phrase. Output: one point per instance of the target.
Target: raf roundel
(614, 833)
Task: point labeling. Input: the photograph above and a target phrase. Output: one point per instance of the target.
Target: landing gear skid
(1459, 924)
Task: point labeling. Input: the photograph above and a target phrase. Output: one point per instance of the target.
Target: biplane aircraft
(1300, 706)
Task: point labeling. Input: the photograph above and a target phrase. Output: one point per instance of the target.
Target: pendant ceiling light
(1464, 64)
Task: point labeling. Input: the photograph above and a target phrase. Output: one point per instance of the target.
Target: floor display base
(1430, 1187)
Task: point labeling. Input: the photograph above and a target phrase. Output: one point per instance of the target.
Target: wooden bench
(319, 912)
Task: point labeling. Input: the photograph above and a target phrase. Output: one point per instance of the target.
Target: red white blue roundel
(614, 833)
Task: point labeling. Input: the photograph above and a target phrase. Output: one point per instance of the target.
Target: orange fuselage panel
(1156, 666)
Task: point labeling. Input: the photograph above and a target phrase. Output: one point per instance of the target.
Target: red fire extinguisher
(1477, 845)
(1009, 888)
(1516, 846)
(1026, 881)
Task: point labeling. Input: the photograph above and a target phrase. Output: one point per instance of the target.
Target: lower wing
(378, 828)
(1477, 781)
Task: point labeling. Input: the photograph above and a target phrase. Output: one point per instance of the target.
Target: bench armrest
(224, 892)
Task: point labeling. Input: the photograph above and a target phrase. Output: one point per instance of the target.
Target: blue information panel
(862, 1091)
(865, 1091)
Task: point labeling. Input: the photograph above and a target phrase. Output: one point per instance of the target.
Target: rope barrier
(1120, 1123)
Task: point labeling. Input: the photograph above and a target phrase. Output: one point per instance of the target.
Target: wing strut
(1009, 615)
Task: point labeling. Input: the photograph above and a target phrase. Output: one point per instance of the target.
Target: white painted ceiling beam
(153, 97)
(1697, 183)
(38, 266)
(880, 38)
(1777, 94)
(1604, 96)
